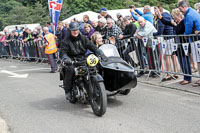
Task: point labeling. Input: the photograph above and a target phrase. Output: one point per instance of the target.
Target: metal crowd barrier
(24, 51)
(172, 55)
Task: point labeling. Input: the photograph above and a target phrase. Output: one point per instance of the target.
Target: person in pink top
(3, 38)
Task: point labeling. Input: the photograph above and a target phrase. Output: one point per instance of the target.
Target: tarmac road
(35, 104)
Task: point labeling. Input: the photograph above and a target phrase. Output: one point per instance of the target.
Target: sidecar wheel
(125, 92)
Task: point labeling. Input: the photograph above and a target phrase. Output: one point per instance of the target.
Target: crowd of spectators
(141, 25)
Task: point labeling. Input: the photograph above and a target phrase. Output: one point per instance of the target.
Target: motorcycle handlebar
(74, 63)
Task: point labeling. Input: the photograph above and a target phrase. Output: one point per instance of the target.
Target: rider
(75, 46)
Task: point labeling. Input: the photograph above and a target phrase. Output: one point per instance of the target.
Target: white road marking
(14, 75)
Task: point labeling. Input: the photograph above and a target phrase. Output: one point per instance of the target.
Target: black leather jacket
(77, 47)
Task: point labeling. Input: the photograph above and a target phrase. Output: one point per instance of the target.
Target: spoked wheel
(98, 98)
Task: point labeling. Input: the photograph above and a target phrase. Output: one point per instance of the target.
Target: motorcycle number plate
(92, 60)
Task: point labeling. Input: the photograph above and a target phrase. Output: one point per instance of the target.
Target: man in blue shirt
(192, 17)
(147, 15)
(192, 24)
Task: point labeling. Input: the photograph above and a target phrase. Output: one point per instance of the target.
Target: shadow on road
(60, 104)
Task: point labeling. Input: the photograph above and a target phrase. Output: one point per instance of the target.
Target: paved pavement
(30, 105)
(172, 84)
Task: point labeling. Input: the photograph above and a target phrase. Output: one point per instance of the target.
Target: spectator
(102, 24)
(134, 21)
(179, 29)
(50, 48)
(25, 34)
(96, 25)
(35, 34)
(147, 15)
(113, 30)
(89, 30)
(98, 40)
(65, 30)
(26, 37)
(128, 32)
(4, 44)
(99, 16)
(16, 35)
(198, 9)
(146, 29)
(104, 13)
(20, 38)
(48, 24)
(17, 30)
(192, 24)
(29, 35)
(59, 33)
(167, 30)
(66, 25)
(197, 6)
(39, 32)
(81, 24)
(192, 18)
(86, 19)
(120, 23)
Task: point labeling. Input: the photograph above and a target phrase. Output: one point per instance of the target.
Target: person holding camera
(147, 15)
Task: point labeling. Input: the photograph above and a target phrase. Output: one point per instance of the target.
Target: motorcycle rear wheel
(98, 98)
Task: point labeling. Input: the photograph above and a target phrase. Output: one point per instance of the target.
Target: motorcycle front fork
(88, 86)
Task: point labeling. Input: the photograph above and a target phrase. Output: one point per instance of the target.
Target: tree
(36, 11)
(39, 14)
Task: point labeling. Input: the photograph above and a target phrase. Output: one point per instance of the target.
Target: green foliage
(36, 11)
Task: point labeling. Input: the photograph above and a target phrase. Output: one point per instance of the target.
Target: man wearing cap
(75, 46)
(104, 13)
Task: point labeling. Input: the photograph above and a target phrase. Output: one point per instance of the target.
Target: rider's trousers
(68, 78)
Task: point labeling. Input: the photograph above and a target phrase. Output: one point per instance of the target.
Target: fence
(29, 50)
(172, 55)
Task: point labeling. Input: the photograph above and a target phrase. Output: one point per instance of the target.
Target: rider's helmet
(74, 26)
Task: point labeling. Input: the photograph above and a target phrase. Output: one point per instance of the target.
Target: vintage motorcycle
(118, 75)
(88, 86)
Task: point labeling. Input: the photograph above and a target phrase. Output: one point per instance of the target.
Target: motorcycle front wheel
(98, 98)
